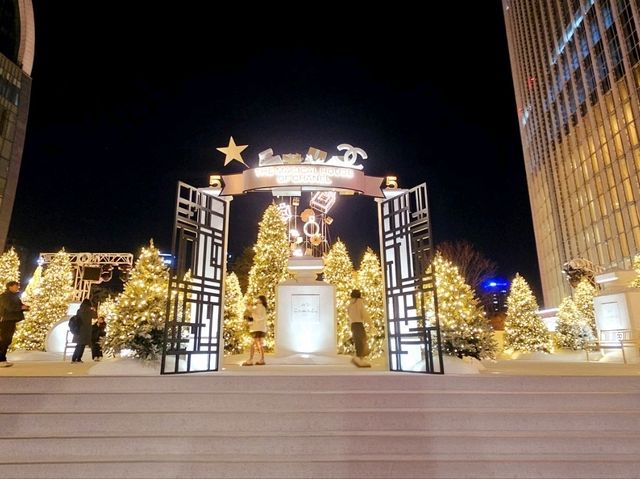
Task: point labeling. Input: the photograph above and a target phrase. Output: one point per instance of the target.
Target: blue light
(495, 285)
(167, 258)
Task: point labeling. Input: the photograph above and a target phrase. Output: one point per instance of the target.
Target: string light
(464, 327)
(524, 330)
(49, 302)
(269, 265)
(139, 313)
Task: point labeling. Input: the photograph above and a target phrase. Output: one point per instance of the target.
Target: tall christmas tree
(572, 331)
(463, 324)
(372, 288)
(269, 265)
(32, 287)
(236, 332)
(140, 311)
(9, 267)
(338, 271)
(49, 303)
(583, 297)
(524, 331)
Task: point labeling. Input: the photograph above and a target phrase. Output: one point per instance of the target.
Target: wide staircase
(364, 425)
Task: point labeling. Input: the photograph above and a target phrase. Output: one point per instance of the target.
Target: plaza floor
(51, 364)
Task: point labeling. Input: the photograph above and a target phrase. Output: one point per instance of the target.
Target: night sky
(130, 97)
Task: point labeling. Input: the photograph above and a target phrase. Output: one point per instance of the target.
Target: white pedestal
(306, 318)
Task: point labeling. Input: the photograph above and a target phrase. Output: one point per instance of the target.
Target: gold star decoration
(232, 152)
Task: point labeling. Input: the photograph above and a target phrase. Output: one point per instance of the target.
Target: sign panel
(303, 177)
(305, 309)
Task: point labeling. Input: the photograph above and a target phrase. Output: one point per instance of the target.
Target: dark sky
(130, 97)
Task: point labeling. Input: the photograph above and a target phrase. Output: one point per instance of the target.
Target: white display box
(306, 323)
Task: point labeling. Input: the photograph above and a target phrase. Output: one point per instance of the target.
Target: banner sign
(302, 177)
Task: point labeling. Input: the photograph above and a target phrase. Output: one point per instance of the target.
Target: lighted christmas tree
(583, 297)
(49, 304)
(140, 311)
(32, 286)
(184, 306)
(372, 289)
(107, 309)
(9, 267)
(269, 265)
(338, 271)
(463, 325)
(572, 331)
(524, 331)
(235, 332)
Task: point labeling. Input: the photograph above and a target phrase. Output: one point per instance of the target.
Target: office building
(17, 41)
(576, 73)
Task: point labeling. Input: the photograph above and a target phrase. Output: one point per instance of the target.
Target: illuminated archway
(200, 242)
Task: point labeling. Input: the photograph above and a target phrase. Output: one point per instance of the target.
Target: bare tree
(472, 265)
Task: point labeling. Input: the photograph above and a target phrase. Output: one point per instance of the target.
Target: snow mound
(455, 365)
(125, 367)
(537, 356)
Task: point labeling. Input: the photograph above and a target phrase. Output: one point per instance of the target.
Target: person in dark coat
(11, 312)
(86, 313)
(98, 331)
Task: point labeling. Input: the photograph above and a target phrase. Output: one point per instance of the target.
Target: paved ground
(51, 364)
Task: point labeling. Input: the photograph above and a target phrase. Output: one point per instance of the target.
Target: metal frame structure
(80, 261)
(411, 303)
(195, 311)
(193, 329)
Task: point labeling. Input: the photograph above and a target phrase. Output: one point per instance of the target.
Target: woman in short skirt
(258, 330)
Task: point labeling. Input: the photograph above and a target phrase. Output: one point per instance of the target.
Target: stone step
(337, 444)
(295, 400)
(265, 420)
(377, 425)
(434, 466)
(378, 381)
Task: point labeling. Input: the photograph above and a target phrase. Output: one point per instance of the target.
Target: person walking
(358, 316)
(98, 331)
(87, 314)
(11, 312)
(258, 328)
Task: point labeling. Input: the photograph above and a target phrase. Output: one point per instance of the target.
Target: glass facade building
(576, 73)
(16, 60)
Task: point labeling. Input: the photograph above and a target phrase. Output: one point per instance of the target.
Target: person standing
(98, 331)
(258, 329)
(358, 316)
(12, 311)
(86, 313)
